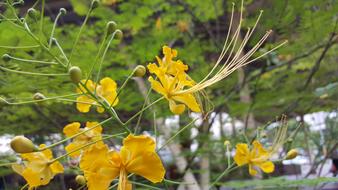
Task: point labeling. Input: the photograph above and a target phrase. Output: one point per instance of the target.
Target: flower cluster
(171, 77)
(105, 90)
(38, 168)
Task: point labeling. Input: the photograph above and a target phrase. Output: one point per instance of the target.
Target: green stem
(102, 59)
(120, 89)
(53, 29)
(7, 164)
(142, 110)
(22, 188)
(225, 172)
(175, 135)
(78, 35)
(20, 47)
(42, 45)
(31, 73)
(32, 61)
(140, 116)
(36, 101)
(41, 17)
(144, 185)
(96, 57)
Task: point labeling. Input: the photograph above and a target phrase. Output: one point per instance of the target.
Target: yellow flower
(137, 156)
(172, 77)
(106, 91)
(257, 157)
(37, 168)
(83, 139)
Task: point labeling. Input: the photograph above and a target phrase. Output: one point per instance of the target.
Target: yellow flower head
(256, 157)
(83, 139)
(172, 77)
(230, 59)
(137, 156)
(106, 91)
(37, 168)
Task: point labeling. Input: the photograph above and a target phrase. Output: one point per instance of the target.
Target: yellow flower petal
(139, 157)
(189, 100)
(71, 129)
(97, 129)
(107, 90)
(99, 109)
(84, 103)
(258, 149)
(108, 84)
(267, 167)
(48, 153)
(32, 178)
(72, 147)
(176, 108)
(56, 167)
(18, 168)
(242, 154)
(157, 86)
(98, 167)
(124, 184)
(252, 170)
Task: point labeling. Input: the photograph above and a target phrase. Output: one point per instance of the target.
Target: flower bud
(110, 27)
(80, 179)
(75, 74)
(95, 4)
(33, 14)
(139, 71)
(21, 144)
(63, 11)
(293, 153)
(119, 34)
(226, 143)
(38, 96)
(6, 57)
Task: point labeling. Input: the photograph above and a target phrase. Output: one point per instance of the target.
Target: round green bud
(22, 20)
(95, 4)
(21, 144)
(75, 74)
(80, 179)
(39, 96)
(63, 11)
(226, 143)
(119, 34)
(6, 57)
(111, 27)
(33, 14)
(139, 71)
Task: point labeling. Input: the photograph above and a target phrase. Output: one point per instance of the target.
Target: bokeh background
(299, 80)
